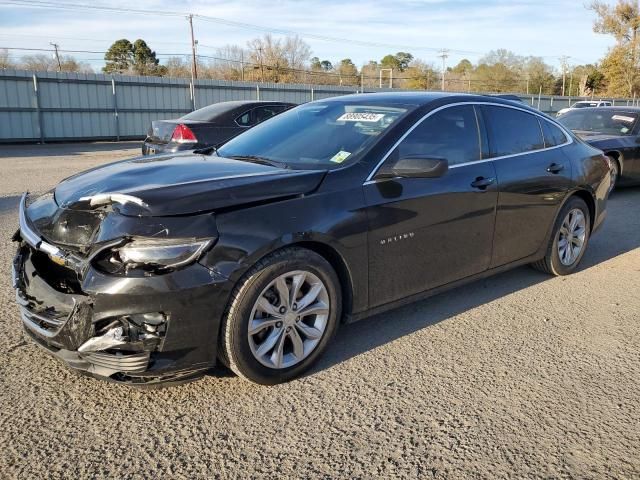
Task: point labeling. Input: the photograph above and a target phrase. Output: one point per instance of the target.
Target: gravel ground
(520, 375)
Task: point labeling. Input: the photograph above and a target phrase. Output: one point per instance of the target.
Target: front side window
(600, 121)
(513, 131)
(451, 133)
(317, 135)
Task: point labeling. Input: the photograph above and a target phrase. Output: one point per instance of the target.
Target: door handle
(555, 168)
(482, 183)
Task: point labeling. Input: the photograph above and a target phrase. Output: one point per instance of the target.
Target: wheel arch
(326, 251)
(338, 263)
(589, 200)
(617, 156)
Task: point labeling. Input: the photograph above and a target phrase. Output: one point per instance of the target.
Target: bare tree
(230, 63)
(296, 53)
(276, 60)
(5, 59)
(178, 67)
(43, 63)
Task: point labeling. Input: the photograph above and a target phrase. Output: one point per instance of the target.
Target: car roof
(222, 108)
(417, 99)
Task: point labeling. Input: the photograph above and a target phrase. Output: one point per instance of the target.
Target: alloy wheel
(288, 319)
(572, 236)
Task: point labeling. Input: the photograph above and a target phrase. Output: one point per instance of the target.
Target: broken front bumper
(139, 330)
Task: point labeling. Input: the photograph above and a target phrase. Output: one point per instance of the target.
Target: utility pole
(563, 62)
(242, 64)
(55, 47)
(390, 70)
(444, 54)
(262, 66)
(571, 83)
(194, 68)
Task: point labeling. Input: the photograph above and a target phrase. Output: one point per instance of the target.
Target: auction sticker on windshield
(361, 117)
(340, 157)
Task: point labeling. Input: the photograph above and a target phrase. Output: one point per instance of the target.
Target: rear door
(426, 232)
(533, 179)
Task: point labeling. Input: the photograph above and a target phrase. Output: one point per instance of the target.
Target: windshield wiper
(208, 150)
(205, 150)
(259, 160)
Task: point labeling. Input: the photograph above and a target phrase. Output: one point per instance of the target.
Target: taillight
(183, 134)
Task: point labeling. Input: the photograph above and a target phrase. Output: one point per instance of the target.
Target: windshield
(316, 135)
(607, 122)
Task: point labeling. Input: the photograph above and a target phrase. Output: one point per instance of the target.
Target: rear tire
(268, 335)
(569, 239)
(615, 172)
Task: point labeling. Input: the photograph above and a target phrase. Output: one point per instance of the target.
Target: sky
(468, 28)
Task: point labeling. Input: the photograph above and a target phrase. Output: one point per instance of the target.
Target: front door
(427, 232)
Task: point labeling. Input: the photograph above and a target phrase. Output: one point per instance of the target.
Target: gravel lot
(520, 375)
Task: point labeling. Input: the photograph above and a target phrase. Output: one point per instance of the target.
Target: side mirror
(415, 166)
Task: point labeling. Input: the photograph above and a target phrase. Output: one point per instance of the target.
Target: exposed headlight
(149, 255)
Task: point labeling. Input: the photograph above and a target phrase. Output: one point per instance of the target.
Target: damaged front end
(116, 295)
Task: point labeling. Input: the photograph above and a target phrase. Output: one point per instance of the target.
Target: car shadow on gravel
(367, 334)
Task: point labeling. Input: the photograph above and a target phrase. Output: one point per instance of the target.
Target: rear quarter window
(553, 136)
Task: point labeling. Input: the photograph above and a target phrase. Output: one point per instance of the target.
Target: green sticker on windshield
(340, 157)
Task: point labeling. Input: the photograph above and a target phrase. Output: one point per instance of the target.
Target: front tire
(282, 316)
(569, 239)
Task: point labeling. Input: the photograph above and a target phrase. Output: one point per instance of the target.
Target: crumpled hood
(188, 183)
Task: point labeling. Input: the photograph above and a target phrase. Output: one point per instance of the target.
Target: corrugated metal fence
(51, 106)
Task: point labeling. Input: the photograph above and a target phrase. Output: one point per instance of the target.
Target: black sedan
(615, 131)
(212, 125)
(152, 269)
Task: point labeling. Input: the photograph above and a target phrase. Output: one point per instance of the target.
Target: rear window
(513, 131)
(208, 113)
(606, 122)
(553, 136)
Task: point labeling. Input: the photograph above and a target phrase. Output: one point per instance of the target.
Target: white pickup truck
(584, 104)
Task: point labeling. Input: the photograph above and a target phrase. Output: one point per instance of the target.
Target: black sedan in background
(615, 131)
(152, 269)
(209, 126)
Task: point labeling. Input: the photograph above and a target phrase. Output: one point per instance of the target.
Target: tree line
(290, 60)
